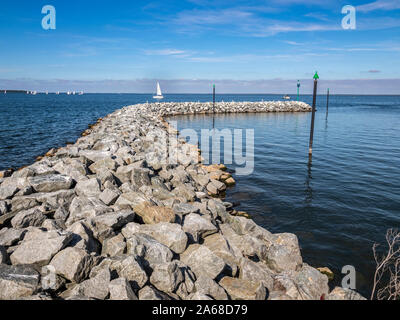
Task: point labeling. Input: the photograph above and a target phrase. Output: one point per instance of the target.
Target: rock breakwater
(129, 212)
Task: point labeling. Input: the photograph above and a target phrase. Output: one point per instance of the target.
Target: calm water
(339, 206)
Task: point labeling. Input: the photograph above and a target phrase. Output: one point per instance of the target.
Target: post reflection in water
(309, 190)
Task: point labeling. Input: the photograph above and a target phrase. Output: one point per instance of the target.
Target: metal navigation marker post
(213, 105)
(316, 77)
(298, 90)
(327, 103)
(214, 98)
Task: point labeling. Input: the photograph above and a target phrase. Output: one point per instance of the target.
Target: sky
(242, 46)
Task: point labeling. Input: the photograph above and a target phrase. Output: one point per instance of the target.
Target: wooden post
(310, 149)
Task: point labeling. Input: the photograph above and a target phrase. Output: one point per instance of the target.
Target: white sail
(159, 93)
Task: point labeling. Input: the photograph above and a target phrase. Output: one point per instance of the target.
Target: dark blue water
(339, 206)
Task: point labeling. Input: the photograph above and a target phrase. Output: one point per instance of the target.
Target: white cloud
(166, 52)
(387, 5)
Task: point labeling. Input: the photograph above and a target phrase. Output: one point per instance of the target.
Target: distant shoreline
(221, 94)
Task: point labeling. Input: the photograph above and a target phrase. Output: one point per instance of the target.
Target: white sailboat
(58, 92)
(159, 95)
(81, 93)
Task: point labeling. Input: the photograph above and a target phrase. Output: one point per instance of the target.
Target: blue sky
(122, 46)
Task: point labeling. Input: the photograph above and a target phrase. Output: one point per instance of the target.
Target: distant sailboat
(5, 91)
(68, 93)
(286, 97)
(58, 92)
(81, 93)
(159, 95)
(34, 93)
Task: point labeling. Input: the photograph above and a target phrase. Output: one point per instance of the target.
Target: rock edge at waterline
(113, 217)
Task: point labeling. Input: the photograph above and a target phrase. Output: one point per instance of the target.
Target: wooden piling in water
(310, 149)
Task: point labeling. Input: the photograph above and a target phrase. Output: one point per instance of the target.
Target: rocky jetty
(129, 212)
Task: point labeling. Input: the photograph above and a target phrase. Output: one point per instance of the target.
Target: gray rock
(50, 224)
(106, 177)
(284, 253)
(198, 296)
(94, 155)
(185, 191)
(221, 248)
(96, 287)
(61, 214)
(7, 191)
(83, 208)
(72, 168)
(88, 188)
(256, 272)
(109, 197)
(148, 248)
(244, 226)
(17, 282)
(140, 177)
(124, 173)
(207, 286)
(26, 191)
(73, 264)
(130, 200)
(55, 199)
(167, 276)
(104, 164)
(32, 217)
(105, 226)
(83, 237)
(306, 284)
(114, 246)
(131, 269)
(39, 251)
(10, 237)
(120, 289)
(278, 295)
(3, 207)
(23, 203)
(344, 294)
(50, 182)
(203, 261)
(215, 187)
(50, 281)
(184, 209)
(168, 234)
(150, 293)
(198, 227)
(247, 245)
